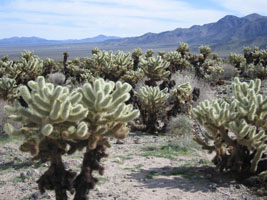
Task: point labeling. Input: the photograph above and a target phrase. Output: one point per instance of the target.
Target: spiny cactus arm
(155, 68)
(254, 164)
(108, 113)
(51, 110)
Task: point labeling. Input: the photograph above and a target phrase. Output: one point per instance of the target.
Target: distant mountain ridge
(229, 34)
(32, 41)
(228, 30)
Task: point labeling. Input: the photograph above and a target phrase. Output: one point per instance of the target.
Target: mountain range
(229, 34)
(36, 41)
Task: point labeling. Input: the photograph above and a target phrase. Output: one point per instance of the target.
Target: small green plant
(165, 151)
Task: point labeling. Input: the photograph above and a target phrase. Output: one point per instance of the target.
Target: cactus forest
(57, 110)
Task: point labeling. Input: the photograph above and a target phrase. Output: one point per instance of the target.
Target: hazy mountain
(227, 31)
(229, 34)
(35, 41)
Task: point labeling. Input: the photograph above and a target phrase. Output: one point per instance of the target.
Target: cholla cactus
(183, 49)
(205, 51)
(149, 53)
(58, 121)
(112, 66)
(3, 67)
(4, 58)
(8, 89)
(161, 54)
(247, 54)
(77, 74)
(108, 112)
(152, 104)
(155, 69)
(135, 56)
(260, 71)
(95, 51)
(49, 66)
(183, 93)
(176, 60)
(132, 76)
(107, 117)
(211, 69)
(28, 68)
(181, 100)
(237, 129)
(51, 112)
(238, 61)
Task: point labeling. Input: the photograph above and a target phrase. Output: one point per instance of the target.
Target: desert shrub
(3, 118)
(57, 78)
(180, 125)
(229, 72)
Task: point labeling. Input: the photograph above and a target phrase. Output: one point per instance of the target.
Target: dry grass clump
(182, 128)
(229, 72)
(180, 125)
(3, 118)
(57, 78)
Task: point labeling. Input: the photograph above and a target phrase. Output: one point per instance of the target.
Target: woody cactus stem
(85, 180)
(56, 177)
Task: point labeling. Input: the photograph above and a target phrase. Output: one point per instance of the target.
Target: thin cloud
(87, 18)
(244, 7)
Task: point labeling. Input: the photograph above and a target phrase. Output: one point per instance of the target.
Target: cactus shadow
(189, 179)
(19, 165)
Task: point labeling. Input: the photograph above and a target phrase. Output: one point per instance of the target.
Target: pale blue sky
(76, 19)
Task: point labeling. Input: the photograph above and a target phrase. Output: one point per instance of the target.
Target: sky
(77, 19)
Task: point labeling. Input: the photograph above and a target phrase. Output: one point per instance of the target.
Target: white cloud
(87, 18)
(245, 7)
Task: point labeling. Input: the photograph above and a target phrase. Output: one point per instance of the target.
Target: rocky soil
(144, 167)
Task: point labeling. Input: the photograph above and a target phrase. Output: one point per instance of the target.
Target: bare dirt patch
(144, 167)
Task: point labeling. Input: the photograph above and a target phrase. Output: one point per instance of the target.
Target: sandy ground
(143, 168)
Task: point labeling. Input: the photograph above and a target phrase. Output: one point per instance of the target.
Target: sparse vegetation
(78, 104)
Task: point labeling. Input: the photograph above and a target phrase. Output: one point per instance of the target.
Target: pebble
(33, 172)
(23, 175)
(35, 196)
(213, 186)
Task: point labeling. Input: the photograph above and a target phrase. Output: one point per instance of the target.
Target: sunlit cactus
(149, 53)
(111, 66)
(205, 51)
(57, 121)
(211, 69)
(161, 54)
(181, 100)
(95, 51)
(176, 60)
(237, 129)
(155, 68)
(152, 105)
(49, 66)
(183, 49)
(28, 68)
(132, 76)
(135, 56)
(238, 61)
(8, 89)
